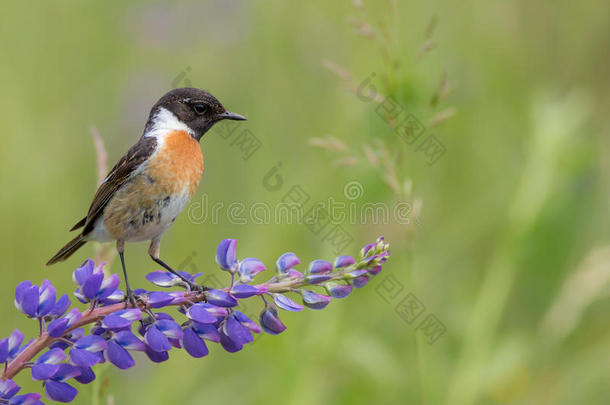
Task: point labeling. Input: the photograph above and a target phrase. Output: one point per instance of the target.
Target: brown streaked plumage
(152, 183)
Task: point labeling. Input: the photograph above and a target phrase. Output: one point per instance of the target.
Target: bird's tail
(67, 250)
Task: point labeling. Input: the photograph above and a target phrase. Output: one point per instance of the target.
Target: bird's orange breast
(178, 164)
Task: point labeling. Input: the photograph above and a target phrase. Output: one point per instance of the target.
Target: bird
(152, 183)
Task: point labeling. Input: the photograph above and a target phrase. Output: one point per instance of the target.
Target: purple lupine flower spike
(212, 315)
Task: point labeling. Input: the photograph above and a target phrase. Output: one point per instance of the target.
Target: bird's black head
(196, 109)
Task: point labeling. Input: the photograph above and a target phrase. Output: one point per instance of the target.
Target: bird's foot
(135, 300)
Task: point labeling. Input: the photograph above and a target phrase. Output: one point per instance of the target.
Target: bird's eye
(200, 108)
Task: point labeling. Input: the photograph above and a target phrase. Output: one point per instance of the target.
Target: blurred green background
(508, 243)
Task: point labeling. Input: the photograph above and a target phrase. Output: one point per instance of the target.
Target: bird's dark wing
(134, 157)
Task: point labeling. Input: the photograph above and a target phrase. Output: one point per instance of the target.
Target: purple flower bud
(317, 278)
(286, 262)
(244, 291)
(361, 281)
(368, 250)
(320, 267)
(47, 365)
(225, 255)
(286, 303)
(169, 328)
(375, 270)
(315, 301)
(338, 290)
(270, 321)
(220, 298)
(344, 261)
(193, 344)
(250, 267)
(163, 279)
(292, 273)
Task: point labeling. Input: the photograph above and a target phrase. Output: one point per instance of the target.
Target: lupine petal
(122, 319)
(19, 293)
(320, 267)
(373, 271)
(108, 286)
(338, 290)
(60, 391)
(14, 341)
(43, 371)
(29, 304)
(286, 262)
(92, 343)
(129, 341)
(46, 301)
(225, 254)
(250, 267)
(236, 331)
(270, 321)
(193, 344)
(163, 278)
(244, 291)
(159, 299)
(247, 322)
(315, 301)
(286, 303)
(229, 344)
(206, 331)
(220, 298)
(198, 313)
(344, 261)
(53, 356)
(86, 375)
(157, 357)
(83, 358)
(66, 372)
(361, 281)
(81, 274)
(92, 285)
(119, 356)
(8, 388)
(3, 350)
(61, 306)
(169, 328)
(156, 340)
(27, 399)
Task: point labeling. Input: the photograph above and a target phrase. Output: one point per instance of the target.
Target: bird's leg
(130, 297)
(155, 250)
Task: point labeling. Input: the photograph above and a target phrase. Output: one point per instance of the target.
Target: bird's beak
(228, 115)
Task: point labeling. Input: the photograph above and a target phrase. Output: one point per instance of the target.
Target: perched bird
(152, 183)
